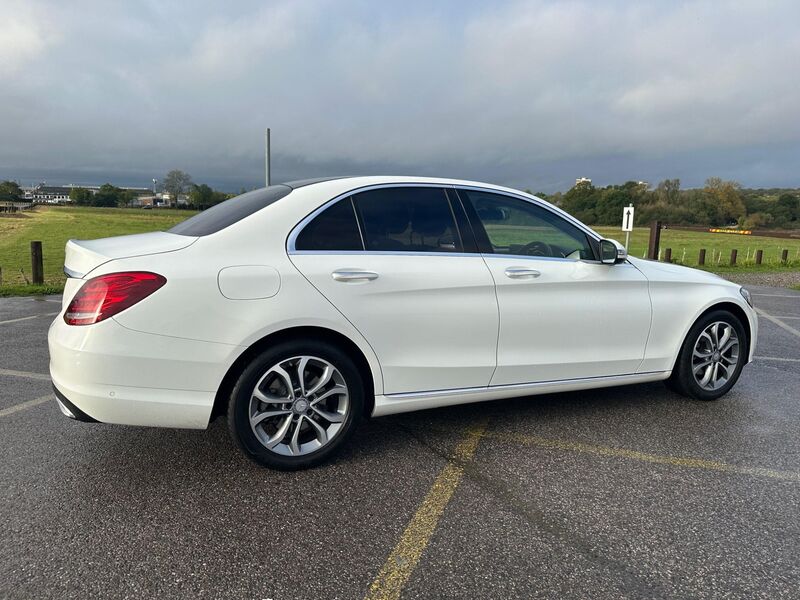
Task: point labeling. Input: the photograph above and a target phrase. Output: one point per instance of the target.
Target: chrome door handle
(352, 275)
(522, 273)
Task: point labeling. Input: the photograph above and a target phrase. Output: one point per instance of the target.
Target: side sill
(390, 404)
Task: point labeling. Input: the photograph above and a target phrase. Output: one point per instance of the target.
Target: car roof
(356, 181)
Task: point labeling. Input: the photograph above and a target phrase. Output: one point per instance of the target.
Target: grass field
(686, 247)
(53, 226)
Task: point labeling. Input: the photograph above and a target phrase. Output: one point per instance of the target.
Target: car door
(563, 314)
(392, 260)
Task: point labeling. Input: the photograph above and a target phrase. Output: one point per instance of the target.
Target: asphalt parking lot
(627, 492)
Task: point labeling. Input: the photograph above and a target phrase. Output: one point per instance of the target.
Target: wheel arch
(294, 333)
(729, 306)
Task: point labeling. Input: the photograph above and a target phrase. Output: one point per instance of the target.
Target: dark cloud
(529, 94)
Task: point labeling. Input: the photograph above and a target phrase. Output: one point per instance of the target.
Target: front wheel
(296, 404)
(712, 357)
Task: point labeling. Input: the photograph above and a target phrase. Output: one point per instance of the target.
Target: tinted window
(230, 211)
(333, 229)
(522, 228)
(408, 219)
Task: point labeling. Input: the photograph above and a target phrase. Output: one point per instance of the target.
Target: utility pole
(266, 156)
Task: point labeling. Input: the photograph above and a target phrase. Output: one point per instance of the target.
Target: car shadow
(143, 451)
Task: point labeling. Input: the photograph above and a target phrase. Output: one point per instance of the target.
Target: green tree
(787, 210)
(80, 196)
(108, 195)
(10, 191)
(668, 191)
(176, 182)
(202, 196)
(581, 201)
(727, 199)
(127, 197)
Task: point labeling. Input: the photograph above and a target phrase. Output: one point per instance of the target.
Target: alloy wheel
(715, 355)
(298, 405)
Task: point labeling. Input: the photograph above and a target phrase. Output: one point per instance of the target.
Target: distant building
(59, 194)
(48, 194)
(582, 181)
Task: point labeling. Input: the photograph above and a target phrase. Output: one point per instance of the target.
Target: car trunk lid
(83, 256)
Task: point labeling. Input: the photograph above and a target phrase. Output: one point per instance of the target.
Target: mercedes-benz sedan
(298, 309)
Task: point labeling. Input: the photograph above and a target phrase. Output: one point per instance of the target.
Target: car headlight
(746, 295)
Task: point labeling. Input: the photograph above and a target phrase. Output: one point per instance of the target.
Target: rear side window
(333, 229)
(407, 219)
(227, 213)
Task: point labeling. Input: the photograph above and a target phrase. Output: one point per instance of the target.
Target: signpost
(627, 223)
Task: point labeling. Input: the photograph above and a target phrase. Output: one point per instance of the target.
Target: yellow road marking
(778, 322)
(25, 405)
(398, 567)
(27, 374)
(675, 461)
(777, 358)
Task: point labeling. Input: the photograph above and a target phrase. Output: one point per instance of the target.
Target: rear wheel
(712, 357)
(296, 404)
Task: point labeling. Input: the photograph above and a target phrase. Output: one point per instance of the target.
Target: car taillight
(104, 296)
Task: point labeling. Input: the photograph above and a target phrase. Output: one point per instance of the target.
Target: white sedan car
(299, 308)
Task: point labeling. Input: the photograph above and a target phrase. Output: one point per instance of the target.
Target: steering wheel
(536, 249)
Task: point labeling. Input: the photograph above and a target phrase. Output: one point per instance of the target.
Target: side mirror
(611, 252)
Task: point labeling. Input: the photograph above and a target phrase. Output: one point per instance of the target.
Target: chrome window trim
(293, 235)
(383, 253)
(295, 232)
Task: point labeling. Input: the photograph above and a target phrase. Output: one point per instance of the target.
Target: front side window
(335, 228)
(522, 228)
(407, 219)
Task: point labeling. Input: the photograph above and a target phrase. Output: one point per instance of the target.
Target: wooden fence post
(701, 260)
(37, 267)
(655, 240)
(785, 256)
(668, 255)
(734, 253)
(759, 256)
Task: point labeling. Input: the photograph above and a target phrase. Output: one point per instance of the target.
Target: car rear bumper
(111, 374)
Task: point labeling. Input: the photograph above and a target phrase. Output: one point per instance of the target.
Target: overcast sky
(528, 94)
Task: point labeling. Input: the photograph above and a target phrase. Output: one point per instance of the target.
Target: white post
(266, 157)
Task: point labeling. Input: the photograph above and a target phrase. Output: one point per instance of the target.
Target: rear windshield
(227, 213)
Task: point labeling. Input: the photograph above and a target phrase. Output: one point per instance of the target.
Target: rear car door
(396, 262)
(563, 314)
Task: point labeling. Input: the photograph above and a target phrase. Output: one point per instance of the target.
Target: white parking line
(18, 320)
(777, 358)
(26, 374)
(28, 318)
(25, 405)
(778, 322)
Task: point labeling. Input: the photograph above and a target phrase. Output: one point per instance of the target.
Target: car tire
(701, 351)
(322, 420)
